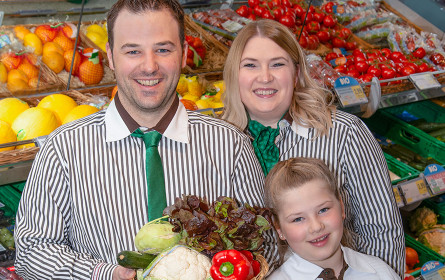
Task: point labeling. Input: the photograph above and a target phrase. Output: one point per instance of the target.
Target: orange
(30, 70)
(31, 58)
(20, 31)
(90, 73)
(17, 74)
(68, 57)
(52, 47)
(11, 60)
(3, 73)
(33, 82)
(66, 43)
(46, 33)
(54, 61)
(113, 92)
(17, 85)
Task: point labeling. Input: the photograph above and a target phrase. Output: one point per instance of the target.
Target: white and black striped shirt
(352, 153)
(86, 195)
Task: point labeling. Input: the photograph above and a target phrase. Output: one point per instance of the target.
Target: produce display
(197, 93)
(201, 241)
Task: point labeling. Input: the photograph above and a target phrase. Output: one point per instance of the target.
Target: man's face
(147, 59)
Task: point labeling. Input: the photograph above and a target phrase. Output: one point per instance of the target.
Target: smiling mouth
(148, 82)
(265, 92)
(319, 239)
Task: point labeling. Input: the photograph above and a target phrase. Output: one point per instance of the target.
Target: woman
(270, 95)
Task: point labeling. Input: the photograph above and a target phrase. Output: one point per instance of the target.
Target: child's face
(311, 220)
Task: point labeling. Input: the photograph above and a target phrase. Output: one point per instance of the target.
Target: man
(86, 195)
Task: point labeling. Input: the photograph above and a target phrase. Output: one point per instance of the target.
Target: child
(309, 216)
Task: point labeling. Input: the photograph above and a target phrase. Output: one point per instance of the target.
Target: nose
(265, 75)
(149, 63)
(316, 225)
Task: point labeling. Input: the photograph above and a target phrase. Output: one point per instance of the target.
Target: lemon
(59, 104)
(3, 73)
(21, 31)
(203, 104)
(191, 97)
(96, 28)
(17, 74)
(52, 47)
(17, 85)
(7, 135)
(31, 40)
(182, 86)
(79, 112)
(54, 61)
(34, 122)
(216, 105)
(96, 37)
(10, 108)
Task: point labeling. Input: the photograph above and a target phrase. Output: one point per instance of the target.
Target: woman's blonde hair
(291, 174)
(311, 104)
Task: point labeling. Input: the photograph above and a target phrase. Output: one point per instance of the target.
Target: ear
(276, 225)
(343, 213)
(184, 54)
(109, 55)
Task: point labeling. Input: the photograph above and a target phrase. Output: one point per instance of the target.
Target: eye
(299, 219)
(323, 210)
(249, 65)
(163, 51)
(132, 52)
(278, 64)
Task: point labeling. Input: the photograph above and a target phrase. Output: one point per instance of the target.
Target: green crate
(425, 254)
(427, 110)
(400, 132)
(10, 196)
(404, 171)
(437, 208)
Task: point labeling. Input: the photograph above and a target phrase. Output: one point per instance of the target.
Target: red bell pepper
(255, 264)
(231, 265)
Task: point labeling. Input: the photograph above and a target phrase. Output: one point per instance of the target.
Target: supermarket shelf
(410, 96)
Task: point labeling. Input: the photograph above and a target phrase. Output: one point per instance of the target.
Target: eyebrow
(134, 45)
(320, 205)
(273, 59)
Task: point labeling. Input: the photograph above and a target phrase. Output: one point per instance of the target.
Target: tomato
(303, 41)
(407, 70)
(276, 3)
(287, 21)
(419, 53)
(243, 11)
(329, 21)
(312, 42)
(252, 16)
(358, 52)
(278, 12)
(350, 46)
(287, 3)
(308, 17)
(366, 78)
(437, 59)
(373, 70)
(353, 73)
(412, 258)
(341, 69)
(330, 56)
(311, 9)
(299, 11)
(259, 10)
(253, 3)
(361, 66)
(328, 7)
(323, 36)
(345, 33)
(388, 73)
(267, 15)
(385, 52)
(338, 43)
(412, 65)
(424, 67)
(396, 56)
(313, 27)
(318, 17)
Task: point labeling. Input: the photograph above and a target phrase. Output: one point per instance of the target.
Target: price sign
(349, 92)
(424, 80)
(433, 270)
(435, 176)
(399, 199)
(414, 190)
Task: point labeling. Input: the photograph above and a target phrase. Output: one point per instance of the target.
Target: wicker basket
(90, 44)
(216, 53)
(264, 268)
(29, 153)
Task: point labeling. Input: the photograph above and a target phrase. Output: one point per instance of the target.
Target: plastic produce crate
(437, 208)
(425, 254)
(404, 171)
(389, 126)
(427, 110)
(10, 196)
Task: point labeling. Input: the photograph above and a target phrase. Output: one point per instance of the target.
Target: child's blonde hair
(293, 173)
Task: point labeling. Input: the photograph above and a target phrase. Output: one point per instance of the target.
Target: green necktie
(155, 174)
(264, 144)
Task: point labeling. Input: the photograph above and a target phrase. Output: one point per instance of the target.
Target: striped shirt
(86, 195)
(353, 155)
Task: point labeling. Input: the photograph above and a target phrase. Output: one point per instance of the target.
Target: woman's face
(267, 77)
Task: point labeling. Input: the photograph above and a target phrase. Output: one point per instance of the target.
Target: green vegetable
(434, 239)
(423, 125)
(422, 219)
(134, 260)
(438, 132)
(156, 236)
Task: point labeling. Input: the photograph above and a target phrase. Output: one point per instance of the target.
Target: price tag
(433, 270)
(414, 190)
(424, 81)
(349, 92)
(397, 196)
(435, 176)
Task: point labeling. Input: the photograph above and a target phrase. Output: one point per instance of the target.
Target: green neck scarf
(264, 144)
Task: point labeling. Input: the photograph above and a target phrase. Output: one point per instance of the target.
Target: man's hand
(122, 273)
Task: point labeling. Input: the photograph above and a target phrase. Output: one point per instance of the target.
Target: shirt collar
(358, 264)
(119, 124)
(298, 129)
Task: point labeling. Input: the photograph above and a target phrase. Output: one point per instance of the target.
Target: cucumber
(134, 260)
(438, 133)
